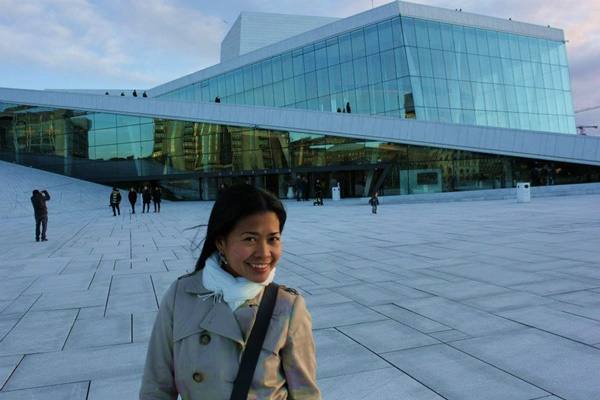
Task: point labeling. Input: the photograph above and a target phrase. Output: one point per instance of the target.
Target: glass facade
(411, 68)
(190, 158)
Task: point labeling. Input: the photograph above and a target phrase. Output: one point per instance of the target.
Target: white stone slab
(339, 355)
(39, 331)
(386, 336)
(68, 391)
(381, 384)
(560, 366)
(456, 375)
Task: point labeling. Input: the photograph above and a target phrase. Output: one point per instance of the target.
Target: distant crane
(587, 109)
(581, 129)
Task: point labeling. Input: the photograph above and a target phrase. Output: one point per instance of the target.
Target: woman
(206, 317)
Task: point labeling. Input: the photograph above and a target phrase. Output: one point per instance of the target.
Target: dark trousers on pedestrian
(132, 208)
(43, 221)
(145, 207)
(116, 209)
(156, 206)
(374, 209)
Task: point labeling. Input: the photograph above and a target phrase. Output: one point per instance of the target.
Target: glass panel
(300, 88)
(425, 62)
(102, 121)
(358, 44)
(287, 65)
(371, 39)
(311, 85)
(421, 32)
(388, 67)
(347, 75)
(320, 55)
(408, 29)
(309, 59)
(345, 43)
(298, 62)
(374, 68)
(401, 64)
(333, 52)
(277, 73)
(437, 60)
(360, 71)
(335, 79)
(435, 38)
(397, 33)
(386, 41)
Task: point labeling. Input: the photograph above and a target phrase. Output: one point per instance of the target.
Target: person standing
(156, 194)
(228, 318)
(374, 202)
(146, 198)
(304, 188)
(298, 187)
(132, 199)
(115, 200)
(40, 209)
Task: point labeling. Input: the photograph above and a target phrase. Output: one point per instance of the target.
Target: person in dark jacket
(146, 199)
(132, 199)
(374, 202)
(304, 186)
(318, 194)
(40, 209)
(115, 200)
(156, 194)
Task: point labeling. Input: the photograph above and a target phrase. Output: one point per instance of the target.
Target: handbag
(242, 382)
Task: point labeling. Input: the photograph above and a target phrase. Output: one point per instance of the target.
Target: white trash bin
(335, 193)
(523, 192)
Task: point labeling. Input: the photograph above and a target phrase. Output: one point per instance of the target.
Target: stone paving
(463, 300)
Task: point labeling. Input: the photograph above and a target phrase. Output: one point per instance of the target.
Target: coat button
(204, 339)
(198, 377)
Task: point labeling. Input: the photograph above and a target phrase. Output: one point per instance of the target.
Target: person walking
(146, 198)
(40, 209)
(374, 202)
(156, 194)
(318, 194)
(115, 200)
(298, 188)
(132, 199)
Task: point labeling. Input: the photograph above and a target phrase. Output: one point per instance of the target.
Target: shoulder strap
(254, 344)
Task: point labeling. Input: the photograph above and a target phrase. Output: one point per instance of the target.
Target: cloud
(140, 47)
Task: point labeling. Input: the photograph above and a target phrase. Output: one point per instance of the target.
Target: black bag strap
(254, 344)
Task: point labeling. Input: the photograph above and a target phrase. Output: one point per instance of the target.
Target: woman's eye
(250, 239)
(275, 239)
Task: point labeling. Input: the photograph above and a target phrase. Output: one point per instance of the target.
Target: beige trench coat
(196, 346)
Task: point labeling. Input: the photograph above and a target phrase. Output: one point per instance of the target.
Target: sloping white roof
(503, 141)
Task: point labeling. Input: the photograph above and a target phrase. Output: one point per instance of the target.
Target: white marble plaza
(459, 300)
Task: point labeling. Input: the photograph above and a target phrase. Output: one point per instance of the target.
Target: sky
(127, 44)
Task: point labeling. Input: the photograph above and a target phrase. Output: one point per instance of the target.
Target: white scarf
(235, 291)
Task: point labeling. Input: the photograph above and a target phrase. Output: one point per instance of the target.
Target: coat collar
(207, 314)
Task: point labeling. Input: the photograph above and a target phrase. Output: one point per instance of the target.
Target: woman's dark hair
(234, 204)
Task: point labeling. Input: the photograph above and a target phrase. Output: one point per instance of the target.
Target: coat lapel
(205, 314)
(220, 320)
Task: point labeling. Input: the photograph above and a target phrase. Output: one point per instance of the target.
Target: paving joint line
(390, 364)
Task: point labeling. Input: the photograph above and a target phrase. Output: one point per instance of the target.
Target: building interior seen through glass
(411, 68)
(190, 159)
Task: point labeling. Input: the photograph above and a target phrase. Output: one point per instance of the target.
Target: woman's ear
(220, 244)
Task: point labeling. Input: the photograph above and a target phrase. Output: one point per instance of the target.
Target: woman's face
(253, 248)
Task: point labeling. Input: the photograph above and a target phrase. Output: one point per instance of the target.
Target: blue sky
(142, 43)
